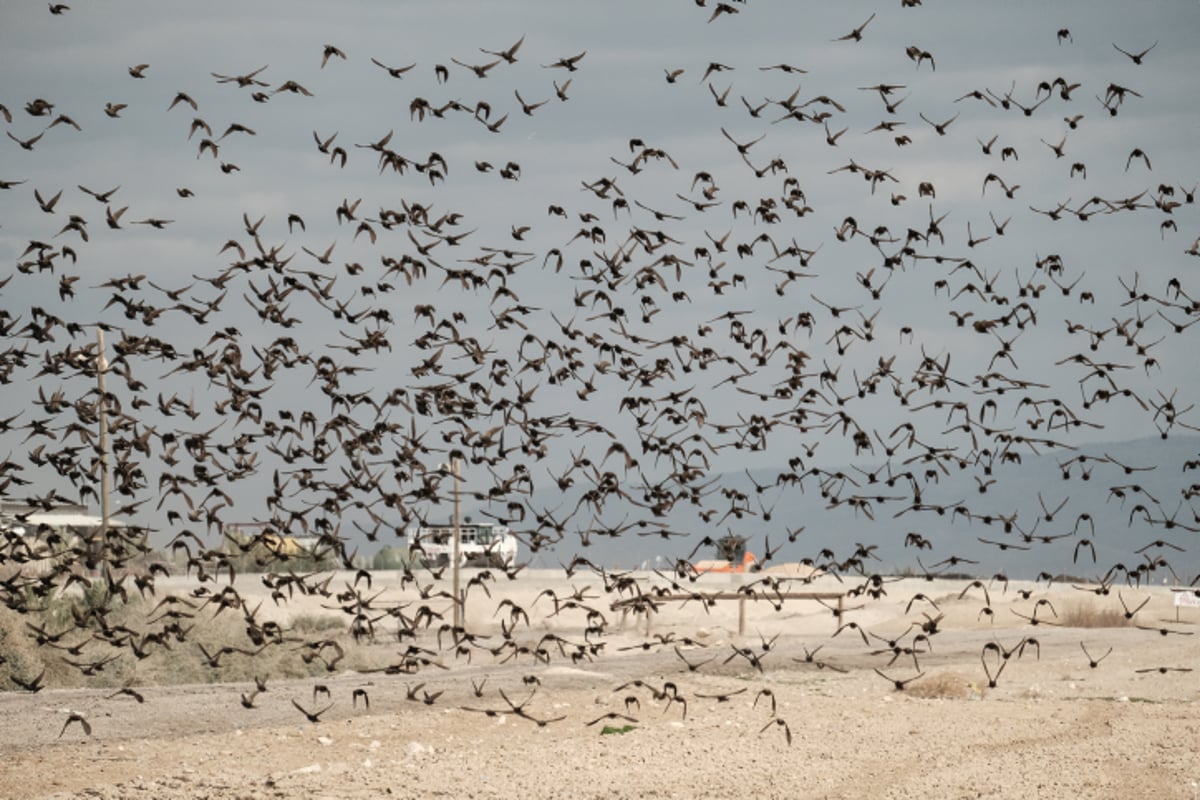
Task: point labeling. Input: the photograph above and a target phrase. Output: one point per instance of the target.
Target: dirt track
(1051, 727)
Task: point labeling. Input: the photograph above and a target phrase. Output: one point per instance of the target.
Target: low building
(482, 544)
(35, 539)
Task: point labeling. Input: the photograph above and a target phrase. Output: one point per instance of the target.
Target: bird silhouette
(615, 376)
(312, 716)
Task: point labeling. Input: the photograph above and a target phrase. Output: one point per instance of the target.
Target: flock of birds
(643, 357)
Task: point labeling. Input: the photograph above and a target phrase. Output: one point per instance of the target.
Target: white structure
(65, 518)
(44, 534)
(482, 544)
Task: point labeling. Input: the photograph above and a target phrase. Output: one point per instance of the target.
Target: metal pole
(101, 368)
(455, 467)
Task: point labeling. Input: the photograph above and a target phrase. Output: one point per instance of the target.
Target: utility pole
(101, 369)
(456, 472)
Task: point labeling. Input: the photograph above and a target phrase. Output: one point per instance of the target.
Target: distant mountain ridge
(1094, 506)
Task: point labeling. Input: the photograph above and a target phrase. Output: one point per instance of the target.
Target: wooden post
(741, 615)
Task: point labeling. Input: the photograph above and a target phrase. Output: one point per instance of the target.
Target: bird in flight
(856, 35)
(1136, 58)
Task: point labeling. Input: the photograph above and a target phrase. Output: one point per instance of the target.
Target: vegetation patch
(946, 686)
(94, 638)
(1086, 615)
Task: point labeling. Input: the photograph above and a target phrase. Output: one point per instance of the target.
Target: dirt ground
(1052, 726)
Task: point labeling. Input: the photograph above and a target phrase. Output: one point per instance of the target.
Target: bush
(946, 686)
(177, 660)
(1086, 615)
(392, 558)
(304, 624)
(20, 656)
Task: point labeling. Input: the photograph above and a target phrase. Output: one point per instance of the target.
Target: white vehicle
(482, 544)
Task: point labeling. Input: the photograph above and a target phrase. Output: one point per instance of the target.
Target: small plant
(946, 686)
(392, 558)
(316, 623)
(1085, 615)
(608, 730)
(1113, 699)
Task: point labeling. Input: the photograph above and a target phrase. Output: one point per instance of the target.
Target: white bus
(482, 544)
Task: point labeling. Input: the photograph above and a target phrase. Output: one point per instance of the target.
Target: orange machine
(748, 560)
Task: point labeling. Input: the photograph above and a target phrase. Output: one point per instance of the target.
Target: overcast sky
(80, 60)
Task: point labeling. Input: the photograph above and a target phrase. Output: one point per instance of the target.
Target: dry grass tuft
(317, 623)
(21, 655)
(946, 686)
(1086, 615)
(178, 660)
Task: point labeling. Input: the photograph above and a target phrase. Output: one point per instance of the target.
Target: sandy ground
(1052, 726)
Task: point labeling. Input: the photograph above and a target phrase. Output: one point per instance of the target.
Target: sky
(623, 132)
